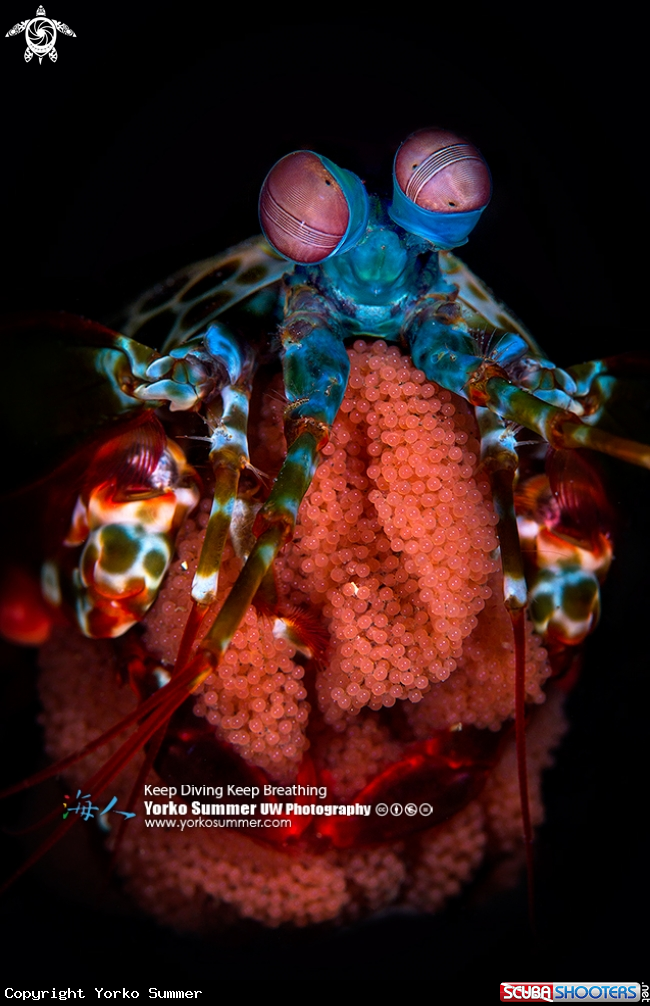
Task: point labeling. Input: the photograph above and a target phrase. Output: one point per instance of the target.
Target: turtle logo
(40, 35)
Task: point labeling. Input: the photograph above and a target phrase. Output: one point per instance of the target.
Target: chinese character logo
(86, 808)
(40, 35)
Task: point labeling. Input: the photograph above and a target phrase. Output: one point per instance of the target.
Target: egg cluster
(353, 757)
(255, 699)
(448, 857)
(201, 879)
(394, 561)
(393, 554)
(395, 537)
(198, 884)
(481, 692)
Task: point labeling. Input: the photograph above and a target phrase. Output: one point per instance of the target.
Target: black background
(143, 148)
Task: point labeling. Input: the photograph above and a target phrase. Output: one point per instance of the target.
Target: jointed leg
(316, 369)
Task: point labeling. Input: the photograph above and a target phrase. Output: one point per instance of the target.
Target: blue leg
(316, 369)
(449, 355)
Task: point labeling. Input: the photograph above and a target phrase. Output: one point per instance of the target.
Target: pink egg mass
(388, 657)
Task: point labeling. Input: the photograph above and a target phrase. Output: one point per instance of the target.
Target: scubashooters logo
(40, 35)
(569, 992)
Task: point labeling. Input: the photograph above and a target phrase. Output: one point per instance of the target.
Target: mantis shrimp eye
(311, 209)
(441, 185)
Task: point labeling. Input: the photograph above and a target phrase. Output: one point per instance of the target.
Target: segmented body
(217, 326)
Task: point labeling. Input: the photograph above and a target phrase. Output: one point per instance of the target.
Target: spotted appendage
(139, 490)
(184, 305)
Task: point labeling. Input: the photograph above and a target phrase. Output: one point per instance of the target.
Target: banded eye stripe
(435, 163)
(298, 229)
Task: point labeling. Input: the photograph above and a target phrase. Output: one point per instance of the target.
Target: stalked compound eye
(441, 185)
(311, 209)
